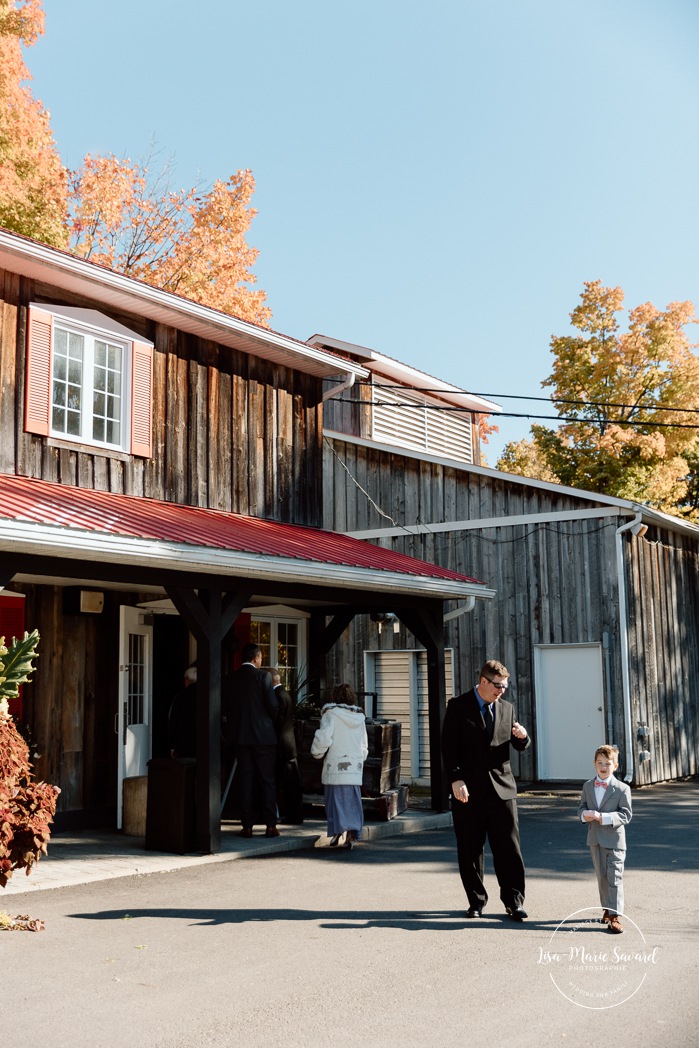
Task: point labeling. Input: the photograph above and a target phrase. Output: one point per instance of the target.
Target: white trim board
(489, 522)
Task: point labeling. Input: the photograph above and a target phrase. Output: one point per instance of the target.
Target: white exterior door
(399, 679)
(569, 690)
(135, 698)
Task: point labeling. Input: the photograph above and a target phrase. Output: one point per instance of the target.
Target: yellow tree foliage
(605, 378)
(33, 186)
(191, 242)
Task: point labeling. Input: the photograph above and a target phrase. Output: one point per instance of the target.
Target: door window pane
(137, 678)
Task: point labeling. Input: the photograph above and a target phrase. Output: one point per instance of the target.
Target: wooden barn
(161, 492)
(597, 607)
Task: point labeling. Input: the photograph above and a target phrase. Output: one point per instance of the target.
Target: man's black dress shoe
(516, 913)
(473, 911)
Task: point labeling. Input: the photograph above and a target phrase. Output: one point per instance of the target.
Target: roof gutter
(636, 527)
(53, 266)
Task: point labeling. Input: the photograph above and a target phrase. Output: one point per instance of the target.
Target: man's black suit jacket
(250, 708)
(469, 755)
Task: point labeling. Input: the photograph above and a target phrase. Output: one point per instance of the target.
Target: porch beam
(322, 637)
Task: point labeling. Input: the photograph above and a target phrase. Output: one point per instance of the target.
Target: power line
(519, 396)
(512, 414)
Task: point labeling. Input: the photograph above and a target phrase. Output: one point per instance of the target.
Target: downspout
(624, 640)
(347, 384)
(468, 606)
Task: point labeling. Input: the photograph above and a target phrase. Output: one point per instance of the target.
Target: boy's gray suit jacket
(617, 803)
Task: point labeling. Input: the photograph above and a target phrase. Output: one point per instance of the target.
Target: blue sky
(435, 181)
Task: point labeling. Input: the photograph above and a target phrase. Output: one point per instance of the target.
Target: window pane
(74, 397)
(67, 381)
(100, 354)
(107, 378)
(75, 345)
(260, 633)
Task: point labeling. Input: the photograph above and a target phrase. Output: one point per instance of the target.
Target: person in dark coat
(289, 791)
(182, 718)
(479, 729)
(250, 708)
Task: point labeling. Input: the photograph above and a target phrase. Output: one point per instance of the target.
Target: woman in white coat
(341, 742)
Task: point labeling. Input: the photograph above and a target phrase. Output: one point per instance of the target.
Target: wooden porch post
(210, 615)
(427, 624)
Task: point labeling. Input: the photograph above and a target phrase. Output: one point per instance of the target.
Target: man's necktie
(488, 718)
(598, 782)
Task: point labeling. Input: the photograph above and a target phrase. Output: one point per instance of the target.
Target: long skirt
(343, 808)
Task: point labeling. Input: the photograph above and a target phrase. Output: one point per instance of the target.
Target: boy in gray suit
(605, 805)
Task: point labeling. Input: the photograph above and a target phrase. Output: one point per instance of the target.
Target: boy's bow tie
(598, 782)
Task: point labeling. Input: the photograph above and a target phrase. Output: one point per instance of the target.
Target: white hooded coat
(342, 740)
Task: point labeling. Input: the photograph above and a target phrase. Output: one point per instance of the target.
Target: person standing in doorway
(289, 792)
(182, 718)
(250, 710)
(479, 729)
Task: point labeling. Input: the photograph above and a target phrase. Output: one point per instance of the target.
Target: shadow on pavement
(340, 920)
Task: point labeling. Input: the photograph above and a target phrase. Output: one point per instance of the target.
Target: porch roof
(56, 520)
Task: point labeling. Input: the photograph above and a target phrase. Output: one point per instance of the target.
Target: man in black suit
(250, 710)
(479, 728)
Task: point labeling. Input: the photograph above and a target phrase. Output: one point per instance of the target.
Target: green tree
(614, 386)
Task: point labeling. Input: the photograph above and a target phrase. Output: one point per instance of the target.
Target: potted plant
(26, 807)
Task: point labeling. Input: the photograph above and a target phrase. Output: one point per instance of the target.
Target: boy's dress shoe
(272, 831)
(614, 925)
(473, 911)
(245, 833)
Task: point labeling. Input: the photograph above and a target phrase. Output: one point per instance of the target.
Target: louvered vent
(410, 420)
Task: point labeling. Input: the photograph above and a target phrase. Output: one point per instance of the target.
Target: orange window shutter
(37, 400)
(142, 400)
(12, 625)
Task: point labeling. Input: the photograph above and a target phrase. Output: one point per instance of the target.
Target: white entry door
(135, 698)
(569, 690)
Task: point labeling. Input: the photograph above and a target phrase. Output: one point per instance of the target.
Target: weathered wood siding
(231, 431)
(71, 702)
(556, 583)
(663, 576)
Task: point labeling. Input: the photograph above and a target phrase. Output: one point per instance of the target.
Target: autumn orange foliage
(33, 187)
(117, 212)
(191, 242)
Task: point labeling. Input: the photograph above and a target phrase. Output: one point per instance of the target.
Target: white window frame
(86, 434)
(93, 326)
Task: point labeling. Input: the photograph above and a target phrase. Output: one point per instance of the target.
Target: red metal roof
(24, 499)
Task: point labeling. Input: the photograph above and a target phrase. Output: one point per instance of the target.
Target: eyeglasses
(497, 684)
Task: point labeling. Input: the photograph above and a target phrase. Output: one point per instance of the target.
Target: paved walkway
(80, 858)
